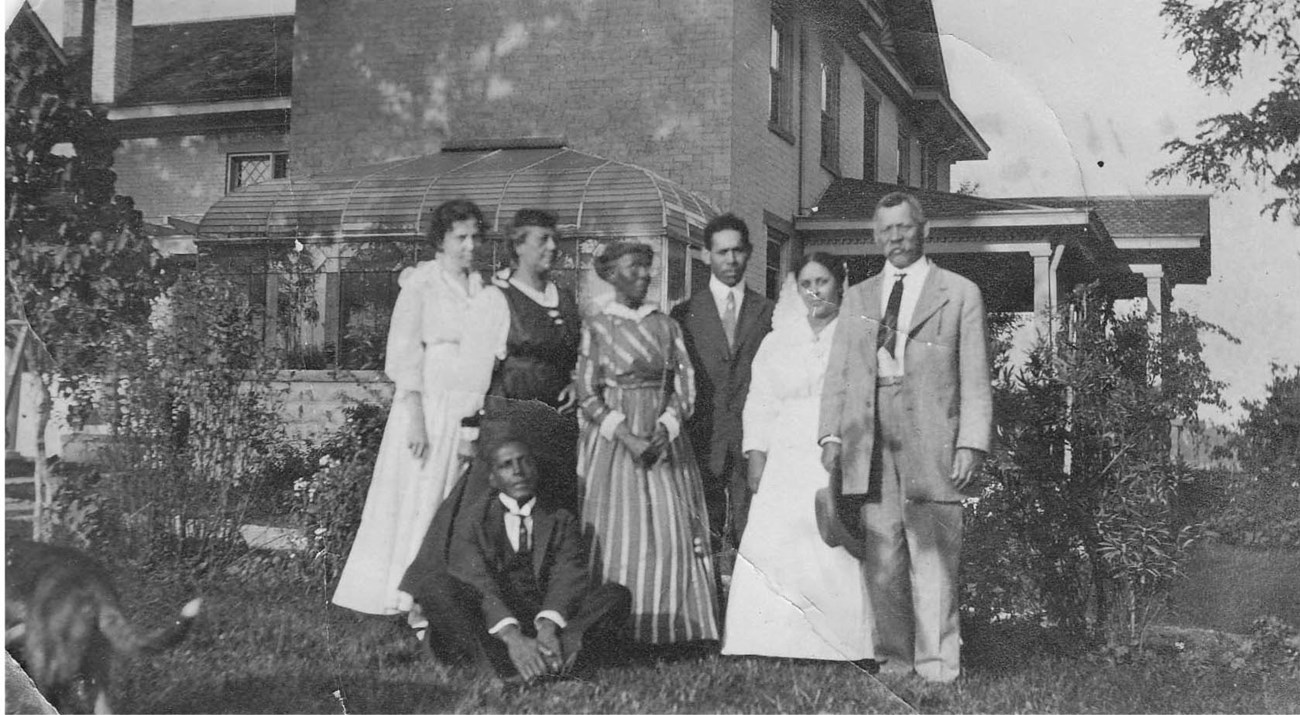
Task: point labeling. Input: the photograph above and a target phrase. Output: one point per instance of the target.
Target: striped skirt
(648, 528)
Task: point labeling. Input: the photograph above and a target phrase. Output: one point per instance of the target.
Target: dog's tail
(127, 640)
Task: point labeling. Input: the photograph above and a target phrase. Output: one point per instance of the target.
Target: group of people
(551, 484)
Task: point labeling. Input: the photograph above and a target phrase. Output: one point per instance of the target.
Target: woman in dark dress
(537, 346)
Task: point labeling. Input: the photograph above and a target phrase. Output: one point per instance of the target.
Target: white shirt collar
(513, 507)
(547, 298)
(617, 309)
(720, 291)
(918, 269)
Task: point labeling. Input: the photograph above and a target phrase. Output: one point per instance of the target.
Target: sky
(1059, 88)
(1075, 97)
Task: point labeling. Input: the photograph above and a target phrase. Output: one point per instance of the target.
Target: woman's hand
(757, 462)
(416, 438)
(658, 445)
(568, 398)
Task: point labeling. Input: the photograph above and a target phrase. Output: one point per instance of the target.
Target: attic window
(248, 169)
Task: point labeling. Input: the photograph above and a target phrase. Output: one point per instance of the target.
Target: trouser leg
(737, 475)
(600, 625)
(456, 628)
(934, 536)
(886, 571)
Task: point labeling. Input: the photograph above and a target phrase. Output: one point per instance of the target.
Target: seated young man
(518, 595)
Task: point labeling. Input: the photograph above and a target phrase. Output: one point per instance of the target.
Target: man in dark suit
(517, 596)
(723, 326)
(906, 419)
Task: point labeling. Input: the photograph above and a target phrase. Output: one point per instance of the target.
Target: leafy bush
(192, 436)
(1248, 508)
(1078, 521)
(329, 502)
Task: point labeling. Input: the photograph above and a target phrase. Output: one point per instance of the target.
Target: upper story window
(904, 158)
(830, 106)
(929, 170)
(774, 266)
(870, 136)
(780, 75)
(249, 169)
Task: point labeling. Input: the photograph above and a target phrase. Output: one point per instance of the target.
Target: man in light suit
(723, 326)
(906, 419)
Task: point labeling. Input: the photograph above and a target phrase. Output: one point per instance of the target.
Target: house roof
(245, 58)
(1160, 215)
(856, 199)
(591, 196)
(26, 21)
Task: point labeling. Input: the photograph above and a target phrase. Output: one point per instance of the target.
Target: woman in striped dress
(642, 499)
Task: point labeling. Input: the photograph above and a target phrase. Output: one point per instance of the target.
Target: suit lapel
(710, 336)
(493, 530)
(543, 524)
(934, 294)
(746, 322)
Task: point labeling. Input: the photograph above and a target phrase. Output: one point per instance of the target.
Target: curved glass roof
(592, 196)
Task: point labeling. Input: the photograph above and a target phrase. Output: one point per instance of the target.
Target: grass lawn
(278, 648)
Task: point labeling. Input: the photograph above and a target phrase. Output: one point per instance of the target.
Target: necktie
(729, 320)
(887, 337)
(524, 546)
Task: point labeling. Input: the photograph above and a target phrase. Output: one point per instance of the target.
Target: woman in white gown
(438, 381)
(792, 595)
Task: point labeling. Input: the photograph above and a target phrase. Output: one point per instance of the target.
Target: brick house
(794, 115)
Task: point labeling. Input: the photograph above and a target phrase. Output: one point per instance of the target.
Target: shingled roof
(1125, 216)
(856, 199)
(245, 58)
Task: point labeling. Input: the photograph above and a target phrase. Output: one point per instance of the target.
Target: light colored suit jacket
(947, 388)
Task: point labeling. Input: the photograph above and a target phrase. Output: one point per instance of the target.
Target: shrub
(1248, 508)
(1078, 521)
(329, 502)
(192, 436)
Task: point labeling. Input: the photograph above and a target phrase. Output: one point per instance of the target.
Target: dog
(65, 617)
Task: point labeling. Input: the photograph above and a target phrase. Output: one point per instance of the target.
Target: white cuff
(469, 434)
(611, 423)
(669, 421)
(828, 439)
(552, 616)
(502, 625)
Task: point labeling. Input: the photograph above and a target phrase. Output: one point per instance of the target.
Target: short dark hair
(523, 219)
(495, 434)
(726, 222)
(448, 213)
(898, 198)
(834, 264)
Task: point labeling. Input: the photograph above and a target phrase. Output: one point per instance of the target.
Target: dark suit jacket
(479, 553)
(947, 388)
(721, 374)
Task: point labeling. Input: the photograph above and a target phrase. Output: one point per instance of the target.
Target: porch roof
(591, 196)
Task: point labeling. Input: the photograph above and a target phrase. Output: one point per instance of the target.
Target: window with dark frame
(904, 158)
(780, 74)
(830, 106)
(774, 272)
(929, 170)
(870, 136)
(254, 168)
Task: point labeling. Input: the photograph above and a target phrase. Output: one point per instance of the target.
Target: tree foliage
(1264, 140)
(77, 261)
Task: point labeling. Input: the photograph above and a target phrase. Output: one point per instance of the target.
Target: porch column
(1046, 291)
(1154, 273)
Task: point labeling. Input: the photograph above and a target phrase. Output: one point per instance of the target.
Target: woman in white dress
(419, 458)
(792, 595)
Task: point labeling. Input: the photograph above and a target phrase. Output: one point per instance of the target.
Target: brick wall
(182, 176)
(644, 81)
